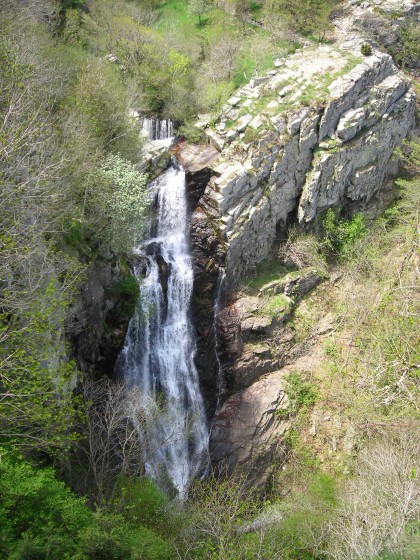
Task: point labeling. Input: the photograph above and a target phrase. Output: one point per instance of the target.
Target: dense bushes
(65, 195)
(41, 518)
(299, 17)
(338, 236)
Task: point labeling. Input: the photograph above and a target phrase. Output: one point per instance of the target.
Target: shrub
(251, 134)
(340, 235)
(191, 133)
(39, 516)
(110, 537)
(128, 203)
(100, 96)
(303, 250)
(141, 501)
(300, 392)
(406, 50)
(126, 292)
(366, 49)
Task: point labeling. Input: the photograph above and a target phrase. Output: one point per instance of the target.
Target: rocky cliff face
(208, 255)
(312, 145)
(103, 311)
(317, 131)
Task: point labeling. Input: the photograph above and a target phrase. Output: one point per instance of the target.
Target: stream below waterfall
(158, 354)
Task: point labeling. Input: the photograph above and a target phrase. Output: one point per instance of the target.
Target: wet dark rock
(102, 316)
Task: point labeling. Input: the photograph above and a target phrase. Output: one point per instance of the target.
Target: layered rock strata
(315, 142)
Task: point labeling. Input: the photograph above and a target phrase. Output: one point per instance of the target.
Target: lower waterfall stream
(158, 354)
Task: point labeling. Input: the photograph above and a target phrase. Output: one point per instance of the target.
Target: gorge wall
(317, 131)
(311, 147)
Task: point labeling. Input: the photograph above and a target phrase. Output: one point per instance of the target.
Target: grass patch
(275, 305)
(302, 394)
(266, 271)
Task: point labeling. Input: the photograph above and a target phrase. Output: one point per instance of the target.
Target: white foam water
(158, 355)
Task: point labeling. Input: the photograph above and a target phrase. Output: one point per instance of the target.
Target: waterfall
(161, 130)
(158, 355)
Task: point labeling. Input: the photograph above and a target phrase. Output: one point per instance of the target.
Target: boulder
(234, 101)
(350, 124)
(195, 157)
(243, 122)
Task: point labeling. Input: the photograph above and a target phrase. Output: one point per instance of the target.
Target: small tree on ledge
(199, 8)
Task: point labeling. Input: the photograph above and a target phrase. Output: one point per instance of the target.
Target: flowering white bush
(128, 204)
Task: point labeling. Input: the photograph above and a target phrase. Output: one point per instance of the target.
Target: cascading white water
(161, 130)
(158, 355)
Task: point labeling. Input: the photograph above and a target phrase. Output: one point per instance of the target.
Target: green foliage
(191, 133)
(128, 203)
(110, 537)
(127, 292)
(73, 21)
(407, 50)
(71, 4)
(301, 394)
(140, 502)
(217, 511)
(303, 17)
(366, 49)
(323, 486)
(276, 304)
(378, 307)
(41, 518)
(266, 271)
(340, 235)
(251, 134)
(38, 407)
(199, 8)
(56, 128)
(101, 98)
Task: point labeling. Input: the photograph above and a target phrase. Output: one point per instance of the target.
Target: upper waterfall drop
(158, 130)
(158, 355)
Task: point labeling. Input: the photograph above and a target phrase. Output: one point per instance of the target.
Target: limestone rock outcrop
(327, 126)
(318, 131)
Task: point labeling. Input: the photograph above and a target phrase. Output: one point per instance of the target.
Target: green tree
(407, 50)
(300, 16)
(38, 281)
(128, 203)
(199, 8)
(41, 518)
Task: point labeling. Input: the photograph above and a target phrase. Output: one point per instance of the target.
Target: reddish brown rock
(247, 433)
